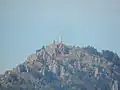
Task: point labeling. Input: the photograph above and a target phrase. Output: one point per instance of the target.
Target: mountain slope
(62, 67)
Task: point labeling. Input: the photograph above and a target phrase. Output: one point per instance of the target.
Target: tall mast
(60, 39)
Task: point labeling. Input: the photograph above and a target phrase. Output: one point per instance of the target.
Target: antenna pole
(60, 39)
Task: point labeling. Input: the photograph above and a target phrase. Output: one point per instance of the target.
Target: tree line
(107, 54)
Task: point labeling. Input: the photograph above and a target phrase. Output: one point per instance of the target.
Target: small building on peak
(53, 42)
(60, 43)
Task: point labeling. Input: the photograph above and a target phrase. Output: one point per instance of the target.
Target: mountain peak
(65, 67)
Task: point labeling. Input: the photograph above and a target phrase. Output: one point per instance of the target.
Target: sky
(26, 25)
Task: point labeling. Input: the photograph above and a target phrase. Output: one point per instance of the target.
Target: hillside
(64, 67)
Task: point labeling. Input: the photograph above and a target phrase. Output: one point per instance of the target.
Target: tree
(111, 56)
(91, 50)
(0, 86)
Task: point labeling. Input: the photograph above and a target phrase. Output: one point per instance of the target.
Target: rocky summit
(65, 67)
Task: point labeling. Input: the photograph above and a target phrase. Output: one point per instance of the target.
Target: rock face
(61, 67)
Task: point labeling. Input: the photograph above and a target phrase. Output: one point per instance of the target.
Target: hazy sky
(26, 25)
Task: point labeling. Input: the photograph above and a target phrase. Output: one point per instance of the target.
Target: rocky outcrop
(60, 67)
